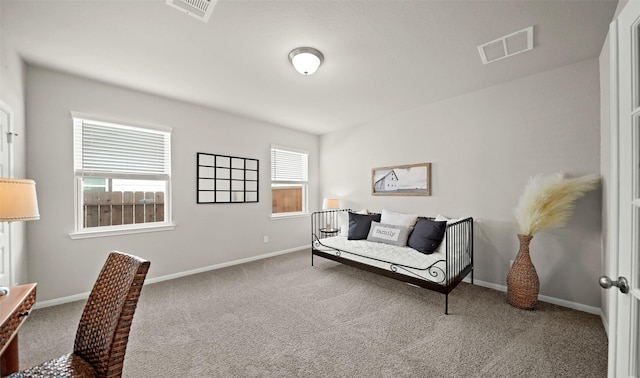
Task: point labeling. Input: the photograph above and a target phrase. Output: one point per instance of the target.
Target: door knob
(621, 283)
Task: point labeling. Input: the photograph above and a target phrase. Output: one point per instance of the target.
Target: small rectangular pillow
(359, 225)
(427, 235)
(343, 223)
(388, 234)
(400, 219)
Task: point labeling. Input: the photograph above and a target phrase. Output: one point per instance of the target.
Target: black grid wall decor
(226, 179)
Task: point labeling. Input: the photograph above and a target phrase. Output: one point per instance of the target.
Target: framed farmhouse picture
(402, 180)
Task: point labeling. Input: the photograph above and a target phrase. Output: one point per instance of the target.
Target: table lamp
(18, 202)
(330, 204)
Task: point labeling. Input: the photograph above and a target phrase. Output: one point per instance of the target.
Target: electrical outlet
(266, 239)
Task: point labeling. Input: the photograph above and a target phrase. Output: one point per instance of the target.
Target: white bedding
(404, 260)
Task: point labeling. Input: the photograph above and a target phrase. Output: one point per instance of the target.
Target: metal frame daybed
(444, 272)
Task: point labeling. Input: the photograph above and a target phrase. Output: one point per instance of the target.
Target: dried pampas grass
(549, 201)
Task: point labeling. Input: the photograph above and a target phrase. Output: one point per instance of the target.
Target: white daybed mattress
(403, 260)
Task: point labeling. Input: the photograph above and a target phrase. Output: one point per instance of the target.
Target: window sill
(103, 232)
(289, 216)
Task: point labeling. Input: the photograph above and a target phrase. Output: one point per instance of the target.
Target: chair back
(103, 331)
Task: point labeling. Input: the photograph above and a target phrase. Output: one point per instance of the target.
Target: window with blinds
(289, 181)
(107, 147)
(123, 175)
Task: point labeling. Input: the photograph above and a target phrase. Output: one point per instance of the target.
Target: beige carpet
(280, 317)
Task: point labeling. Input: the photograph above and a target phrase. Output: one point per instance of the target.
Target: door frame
(11, 165)
(614, 188)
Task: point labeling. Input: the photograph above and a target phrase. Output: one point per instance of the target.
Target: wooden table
(14, 310)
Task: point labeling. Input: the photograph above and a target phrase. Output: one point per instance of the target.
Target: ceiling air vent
(200, 9)
(509, 45)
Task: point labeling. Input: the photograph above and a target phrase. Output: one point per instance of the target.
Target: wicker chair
(103, 331)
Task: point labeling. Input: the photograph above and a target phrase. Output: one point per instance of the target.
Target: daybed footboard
(440, 272)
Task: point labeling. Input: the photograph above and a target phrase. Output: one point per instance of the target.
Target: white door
(6, 170)
(624, 303)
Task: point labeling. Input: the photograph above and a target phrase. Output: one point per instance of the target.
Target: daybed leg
(446, 304)
(312, 260)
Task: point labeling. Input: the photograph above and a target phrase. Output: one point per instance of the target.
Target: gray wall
(484, 146)
(12, 92)
(205, 235)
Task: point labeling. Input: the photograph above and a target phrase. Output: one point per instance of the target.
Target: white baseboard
(77, 297)
(57, 301)
(543, 298)
(605, 323)
(490, 285)
(223, 265)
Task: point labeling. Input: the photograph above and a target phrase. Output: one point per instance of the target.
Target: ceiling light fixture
(306, 60)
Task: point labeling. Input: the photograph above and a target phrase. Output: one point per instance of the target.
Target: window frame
(304, 184)
(81, 232)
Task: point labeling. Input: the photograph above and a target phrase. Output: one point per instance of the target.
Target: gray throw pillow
(388, 234)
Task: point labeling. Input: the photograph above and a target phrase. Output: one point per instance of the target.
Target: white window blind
(101, 147)
(288, 166)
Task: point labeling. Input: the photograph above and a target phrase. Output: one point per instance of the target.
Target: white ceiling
(381, 57)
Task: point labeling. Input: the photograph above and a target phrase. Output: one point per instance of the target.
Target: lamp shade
(18, 200)
(306, 60)
(330, 203)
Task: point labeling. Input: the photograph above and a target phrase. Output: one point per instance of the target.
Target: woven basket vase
(523, 285)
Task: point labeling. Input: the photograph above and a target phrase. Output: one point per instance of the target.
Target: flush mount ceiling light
(306, 60)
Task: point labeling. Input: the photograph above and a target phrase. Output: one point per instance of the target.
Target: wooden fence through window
(286, 199)
(117, 208)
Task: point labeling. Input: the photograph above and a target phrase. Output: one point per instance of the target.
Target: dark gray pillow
(388, 234)
(359, 225)
(427, 235)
